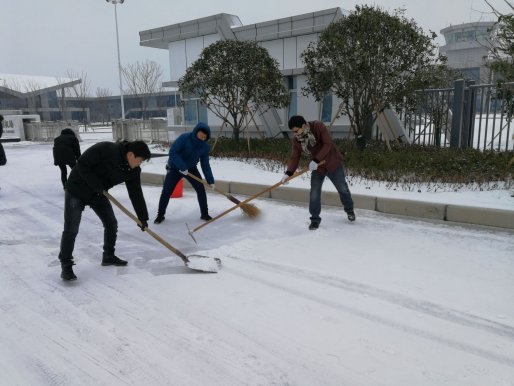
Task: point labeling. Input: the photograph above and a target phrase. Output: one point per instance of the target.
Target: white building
(285, 39)
(467, 48)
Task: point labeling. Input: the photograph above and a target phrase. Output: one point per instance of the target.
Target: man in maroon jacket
(314, 139)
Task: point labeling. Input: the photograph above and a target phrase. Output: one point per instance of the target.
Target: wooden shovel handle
(148, 230)
(253, 197)
(229, 196)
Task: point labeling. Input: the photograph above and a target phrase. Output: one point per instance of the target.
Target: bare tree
(143, 79)
(101, 96)
(63, 107)
(12, 84)
(81, 92)
(31, 88)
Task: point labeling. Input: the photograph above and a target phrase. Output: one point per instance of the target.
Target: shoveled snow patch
(204, 263)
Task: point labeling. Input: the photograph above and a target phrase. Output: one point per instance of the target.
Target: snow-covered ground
(383, 301)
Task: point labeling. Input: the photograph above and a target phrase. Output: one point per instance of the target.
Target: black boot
(206, 217)
(67, 273)
(313, 225)
(159, 219)
(113, 260)
(351, 216)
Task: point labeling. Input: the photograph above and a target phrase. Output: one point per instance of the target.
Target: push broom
(247, 200)
(249, 209)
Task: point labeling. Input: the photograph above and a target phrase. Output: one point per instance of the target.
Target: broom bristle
(250, 210)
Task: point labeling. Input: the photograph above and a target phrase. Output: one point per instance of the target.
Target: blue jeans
(338, 178)
(73, 208)
(170, 182)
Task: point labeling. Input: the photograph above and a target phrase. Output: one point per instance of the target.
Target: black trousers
(3, 160)
(64, 172)
(73, 208)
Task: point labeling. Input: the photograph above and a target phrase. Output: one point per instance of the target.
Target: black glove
(143, 224)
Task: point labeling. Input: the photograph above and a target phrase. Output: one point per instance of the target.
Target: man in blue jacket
(186, 151)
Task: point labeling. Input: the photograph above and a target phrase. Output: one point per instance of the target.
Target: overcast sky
(50, 37)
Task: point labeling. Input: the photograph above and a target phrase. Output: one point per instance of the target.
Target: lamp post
(116, 2)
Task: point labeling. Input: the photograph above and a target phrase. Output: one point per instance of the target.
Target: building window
(326, 108)
(194, 111)
(293, 96)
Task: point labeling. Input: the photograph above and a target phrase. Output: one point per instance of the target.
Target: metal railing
(47, 130)
(465, 116)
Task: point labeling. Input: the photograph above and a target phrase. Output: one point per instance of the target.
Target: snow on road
(383, 301)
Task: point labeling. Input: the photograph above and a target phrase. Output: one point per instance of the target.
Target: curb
(501, 218)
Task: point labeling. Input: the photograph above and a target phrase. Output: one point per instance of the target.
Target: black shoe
(313, 226)
(67, 272)
(206, 217)
(351, 216)
(113, 260)
(158, 219)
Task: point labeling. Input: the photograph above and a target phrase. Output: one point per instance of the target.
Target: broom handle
(230, 197)
(253, 197)
(148, 230)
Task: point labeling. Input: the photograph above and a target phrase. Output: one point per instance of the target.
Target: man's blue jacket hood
(187, 150)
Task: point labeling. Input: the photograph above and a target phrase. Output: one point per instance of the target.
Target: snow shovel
(303, 171)
(249, 209)
(195, 262)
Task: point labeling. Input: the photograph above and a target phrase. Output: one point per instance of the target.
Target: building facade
(285, 39)
(467, 49)
(29, 94)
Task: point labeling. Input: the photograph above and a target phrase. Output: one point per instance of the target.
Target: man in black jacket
(3, 160)
(66, 151)
(100, 167)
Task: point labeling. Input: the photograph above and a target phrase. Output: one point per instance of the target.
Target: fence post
(458, 107)
(468, 121)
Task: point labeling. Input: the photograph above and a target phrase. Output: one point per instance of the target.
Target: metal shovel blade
(203, 263)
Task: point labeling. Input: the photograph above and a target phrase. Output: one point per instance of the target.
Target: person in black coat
(100, 167)
(3, 159)
(66, 152)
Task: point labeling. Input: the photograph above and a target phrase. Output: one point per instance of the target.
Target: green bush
(405, 166)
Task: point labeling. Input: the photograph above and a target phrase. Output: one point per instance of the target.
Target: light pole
(116, 2)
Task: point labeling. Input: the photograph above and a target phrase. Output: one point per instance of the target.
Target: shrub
(405, 167)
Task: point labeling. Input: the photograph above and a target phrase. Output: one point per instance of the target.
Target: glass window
(190, 112)
(326, 108)
(293, 96)
(202, 112)
(293, 102)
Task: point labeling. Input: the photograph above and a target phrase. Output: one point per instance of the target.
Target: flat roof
(230, 27)
(19, 85)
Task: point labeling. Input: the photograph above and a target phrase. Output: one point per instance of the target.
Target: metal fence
(465, 116)
(153, 130)
(47, 131)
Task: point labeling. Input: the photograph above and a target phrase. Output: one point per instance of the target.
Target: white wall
(13, 125)
(184, 52)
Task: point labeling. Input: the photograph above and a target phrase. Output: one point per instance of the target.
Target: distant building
(467, 48)
(106, 109)
(29, 94)
(285, 39)
(42, 95)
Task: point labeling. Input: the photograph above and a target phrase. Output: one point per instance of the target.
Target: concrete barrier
(481, 216)
(411, 208)
(248, 189)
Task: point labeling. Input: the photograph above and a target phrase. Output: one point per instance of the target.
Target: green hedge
(403, 165)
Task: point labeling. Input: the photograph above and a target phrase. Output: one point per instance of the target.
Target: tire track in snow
(418, 305)
(365, 290)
